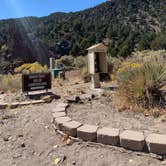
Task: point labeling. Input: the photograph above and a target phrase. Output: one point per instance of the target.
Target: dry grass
(10, 83)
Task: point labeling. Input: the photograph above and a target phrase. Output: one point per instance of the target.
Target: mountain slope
(128, 24)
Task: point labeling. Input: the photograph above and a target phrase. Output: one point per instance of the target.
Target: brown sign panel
(36, 81)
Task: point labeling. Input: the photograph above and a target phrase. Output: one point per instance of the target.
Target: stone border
(21, 104)
(128, 139)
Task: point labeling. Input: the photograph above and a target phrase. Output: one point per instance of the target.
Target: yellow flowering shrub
(31, 68)
(128, 66)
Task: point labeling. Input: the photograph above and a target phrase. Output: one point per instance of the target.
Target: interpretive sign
(36, 81)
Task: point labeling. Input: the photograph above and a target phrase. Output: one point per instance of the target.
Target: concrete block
(59, 114)
(59, 121)
(156, 143)
(62, 105)
(70, 128)
(87, 132)
(108, 136)
(58, 109)
(132, 140)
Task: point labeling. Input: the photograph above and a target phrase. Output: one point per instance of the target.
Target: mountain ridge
(128, 24)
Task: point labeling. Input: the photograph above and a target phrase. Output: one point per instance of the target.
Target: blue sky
(21, 8)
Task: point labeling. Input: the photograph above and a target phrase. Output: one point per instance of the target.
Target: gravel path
(27, 138)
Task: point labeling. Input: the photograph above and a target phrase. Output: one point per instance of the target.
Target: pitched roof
(99, 46)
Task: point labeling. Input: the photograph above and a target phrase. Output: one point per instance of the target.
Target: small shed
(97, 62)
(97, 59)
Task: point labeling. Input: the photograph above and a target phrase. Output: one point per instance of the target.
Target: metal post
(52, 66)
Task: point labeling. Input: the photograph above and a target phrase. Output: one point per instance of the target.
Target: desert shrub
(69, 61)
(148, 56)
(4, 47)
(80, 61)
(84, 70)
(31, 68)
(140, 83)
(10, 83)
(65, 61)
(113, 65)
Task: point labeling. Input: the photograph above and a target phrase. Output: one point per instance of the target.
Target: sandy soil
(27, 138)
(98, 112)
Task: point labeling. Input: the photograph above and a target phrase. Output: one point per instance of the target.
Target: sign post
(36, 81)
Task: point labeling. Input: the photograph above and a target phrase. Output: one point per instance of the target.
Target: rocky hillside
(128, 25)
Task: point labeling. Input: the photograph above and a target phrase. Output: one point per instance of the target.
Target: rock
(73, 163)
(1, 92)
(55, 146)
(23, 145)
(69, 142)
(20, 135)
(6, 139)
(17, 155)
(73, 99)
(60, 159)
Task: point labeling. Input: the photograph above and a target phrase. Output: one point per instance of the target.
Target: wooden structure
(97, 63)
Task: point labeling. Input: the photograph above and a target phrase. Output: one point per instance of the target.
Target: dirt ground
(98, 112)
(28, 138)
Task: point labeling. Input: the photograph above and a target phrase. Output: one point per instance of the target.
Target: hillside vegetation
(128, 25)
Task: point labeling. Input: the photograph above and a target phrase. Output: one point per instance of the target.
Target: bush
(80, 61)
(65, 61)
(10, 83)
(149, 56)
(140, 83)
(31, 68)
(113, 65)
(85, 75)
(68, 61)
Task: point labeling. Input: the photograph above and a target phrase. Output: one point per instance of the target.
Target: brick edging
(20, 104)
(128, 139)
